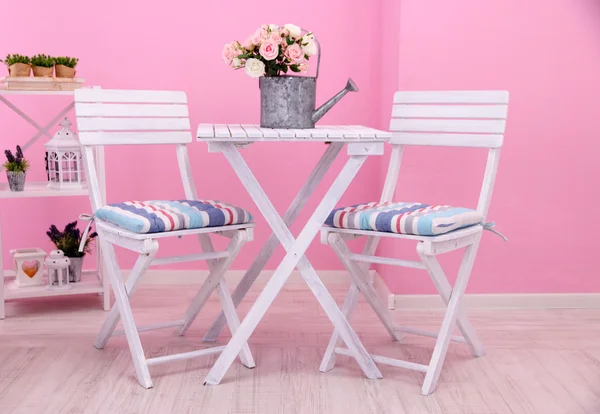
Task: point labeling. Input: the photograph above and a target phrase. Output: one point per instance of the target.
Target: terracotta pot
(41, 71)
(63, 71)
(19, 69)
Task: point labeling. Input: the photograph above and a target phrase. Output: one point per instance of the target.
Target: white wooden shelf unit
(92, 281)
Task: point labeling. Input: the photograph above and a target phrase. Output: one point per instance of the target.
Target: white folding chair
(447, 118)
(122, 117)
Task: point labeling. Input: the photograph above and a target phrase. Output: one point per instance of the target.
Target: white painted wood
(112, 320)
(272, 242)
(445, 290)
(129, 110)
(122, 304)
(133, 124)
(134, 138)
(448, 140)
(386, 261)
(484, 126)
(154, 327)
(433, 240)
(294, 258)
(431, 334)
(468, 97)
(184, 355)
(450, 111)
(212, 281)
(365, 148)
(129, 96)
(233, 321)
(189, 258)
(256, 133)
(39, 189)
(441, 346)
(489, 178)
(388, 361)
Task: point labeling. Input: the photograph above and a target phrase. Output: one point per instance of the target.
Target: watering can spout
(322, 110)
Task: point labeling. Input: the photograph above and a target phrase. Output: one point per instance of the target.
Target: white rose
(310, 48)
(237, 63)
(294, 30)
(254, 68)
(273, 27)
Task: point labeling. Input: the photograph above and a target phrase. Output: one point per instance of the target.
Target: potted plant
(18, 65)
(42, 65)
(65, 66)
(269, 54)
(68, 242)
(16, 168)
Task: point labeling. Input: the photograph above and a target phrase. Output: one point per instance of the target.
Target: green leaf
(289, 41)
(284, 68)
(294, 68)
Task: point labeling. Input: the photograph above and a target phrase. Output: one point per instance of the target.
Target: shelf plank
(39, 189)
(89, 284)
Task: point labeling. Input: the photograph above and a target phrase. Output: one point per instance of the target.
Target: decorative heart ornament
(30, 267)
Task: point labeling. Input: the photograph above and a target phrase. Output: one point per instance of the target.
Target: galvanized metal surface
(16, 180)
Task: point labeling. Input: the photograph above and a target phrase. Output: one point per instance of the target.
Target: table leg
(315, 178)
(294, 258)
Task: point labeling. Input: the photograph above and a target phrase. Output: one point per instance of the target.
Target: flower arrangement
(271, 51)
(68, 240)
(16, 164)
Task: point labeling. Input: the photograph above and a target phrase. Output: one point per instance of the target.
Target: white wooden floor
(537, 362)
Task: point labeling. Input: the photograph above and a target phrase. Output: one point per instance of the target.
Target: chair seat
(158, 216)
(404, 218)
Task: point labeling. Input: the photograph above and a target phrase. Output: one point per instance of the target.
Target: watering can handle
(318, 52)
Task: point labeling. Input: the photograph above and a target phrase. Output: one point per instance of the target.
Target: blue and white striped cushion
(405, 218)
(157, 216)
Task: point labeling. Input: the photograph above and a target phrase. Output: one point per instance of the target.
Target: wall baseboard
(392, 301)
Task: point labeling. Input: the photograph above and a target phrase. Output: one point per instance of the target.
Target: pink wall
(547, 54)
(141, 44)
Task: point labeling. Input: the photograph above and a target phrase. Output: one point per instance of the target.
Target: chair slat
(133, 124)
(450, 111)
(135, 138)
(131, 110)
(448, 125)
(470, 97)
(129, 96)
(448, 140)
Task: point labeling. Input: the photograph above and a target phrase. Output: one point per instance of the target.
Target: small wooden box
(16, 83)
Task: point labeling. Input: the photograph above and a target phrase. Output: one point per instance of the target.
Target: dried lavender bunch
(16, 164)
(69, 239)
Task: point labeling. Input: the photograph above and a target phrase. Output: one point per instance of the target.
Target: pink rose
(258, 36)
(228, 53)
(294, 53)
(269, 49)
(303, 67)
(276, 37)
(248, 44)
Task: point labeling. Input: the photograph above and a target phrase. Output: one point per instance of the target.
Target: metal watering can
(290, 101)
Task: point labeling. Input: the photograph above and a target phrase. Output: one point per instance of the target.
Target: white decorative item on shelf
(63, 160)
(58, 270)
(29, 265)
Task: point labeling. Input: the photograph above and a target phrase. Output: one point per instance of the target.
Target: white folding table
(360, 142)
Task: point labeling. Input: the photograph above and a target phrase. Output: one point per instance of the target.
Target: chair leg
(112, 320)
(233, 321)
(122, 303)
(361, 279)
(445, 289)
(215, 275)
(348, 307)
(452, 312)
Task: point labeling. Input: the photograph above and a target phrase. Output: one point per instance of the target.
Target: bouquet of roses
(271, 51)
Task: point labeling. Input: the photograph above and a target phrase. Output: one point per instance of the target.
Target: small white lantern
(63, 160)
(29, 265)
(58, 270)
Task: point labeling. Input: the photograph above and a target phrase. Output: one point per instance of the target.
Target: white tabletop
(250, 133)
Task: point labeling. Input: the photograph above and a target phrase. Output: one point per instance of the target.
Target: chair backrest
(449, 118)
(132, 117)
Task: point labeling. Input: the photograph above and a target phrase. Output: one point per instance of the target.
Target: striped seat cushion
(157, 216)
(405, 218)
